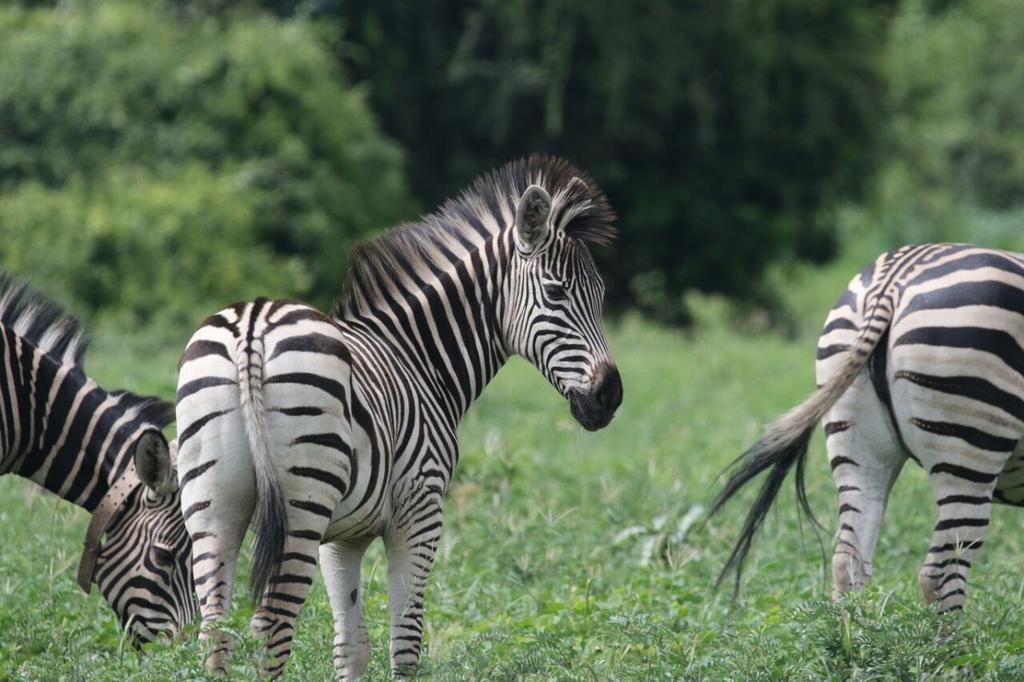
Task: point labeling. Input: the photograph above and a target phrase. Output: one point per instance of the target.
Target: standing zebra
(100, 450)
(921, 357)
(329, 433)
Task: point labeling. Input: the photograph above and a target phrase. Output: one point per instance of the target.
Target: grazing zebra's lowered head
(144, 569)
(103, 451)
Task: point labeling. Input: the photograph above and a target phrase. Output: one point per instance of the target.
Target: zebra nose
(608, 395)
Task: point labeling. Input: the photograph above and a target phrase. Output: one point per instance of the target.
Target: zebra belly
(354, 522)
(361, 512)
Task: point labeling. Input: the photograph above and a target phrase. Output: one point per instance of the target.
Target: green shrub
(147, 249)
(156, 162)
(954, 166)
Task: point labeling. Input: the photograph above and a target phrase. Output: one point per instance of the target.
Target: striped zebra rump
(264, 409)
(951, 367)
(942, 385)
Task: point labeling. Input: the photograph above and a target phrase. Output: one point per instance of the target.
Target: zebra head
(554, 294)
(144, 570)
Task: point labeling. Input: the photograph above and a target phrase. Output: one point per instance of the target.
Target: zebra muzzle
(595, 408)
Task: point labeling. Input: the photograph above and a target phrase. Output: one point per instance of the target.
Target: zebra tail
(784, 444)
(270, 521)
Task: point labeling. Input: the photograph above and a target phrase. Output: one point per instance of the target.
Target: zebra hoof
(849, 574)
(929, 583)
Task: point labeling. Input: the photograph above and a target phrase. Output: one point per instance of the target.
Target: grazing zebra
(922, 357)
(329, 433)
(100, 450)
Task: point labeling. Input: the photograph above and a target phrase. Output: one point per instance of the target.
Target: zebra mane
(44, 324)
(40, 321)
(579, 210)
(149, 409)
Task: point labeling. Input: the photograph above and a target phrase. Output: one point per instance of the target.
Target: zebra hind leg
(410, 544)
(274, 620)
(310, 504)
(214, 559)
(217, 499)
(340, 564)
(963, 500)
(866, 459)
(313, 475)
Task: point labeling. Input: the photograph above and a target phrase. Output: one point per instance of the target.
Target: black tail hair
(784, 442)
(778, 458)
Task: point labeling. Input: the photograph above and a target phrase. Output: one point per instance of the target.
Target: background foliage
(724, 132)
(154, 162)
(954, 162)
(174, 156)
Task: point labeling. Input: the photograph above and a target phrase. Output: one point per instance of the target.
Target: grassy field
(569, 555)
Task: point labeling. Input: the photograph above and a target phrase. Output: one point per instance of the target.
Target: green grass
(569, 555)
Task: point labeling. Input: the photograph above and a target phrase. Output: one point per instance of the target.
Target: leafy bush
(954, 167)
(143, 248)
(156, 162)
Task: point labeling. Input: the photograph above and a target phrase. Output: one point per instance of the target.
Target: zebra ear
(153, 462)
(532, 215)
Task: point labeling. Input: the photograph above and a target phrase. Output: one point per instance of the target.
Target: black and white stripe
(264, 398)
(360, 412)
(69, 435)
(921, 358)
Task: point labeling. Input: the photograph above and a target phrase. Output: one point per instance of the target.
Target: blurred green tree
(156, 162)
(954, 162)
(723, 131)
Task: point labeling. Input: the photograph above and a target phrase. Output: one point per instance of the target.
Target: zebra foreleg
(964, 506)
(866, 459)
(411, 542)
(340, 564)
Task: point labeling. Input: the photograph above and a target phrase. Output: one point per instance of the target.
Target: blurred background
(160, 159)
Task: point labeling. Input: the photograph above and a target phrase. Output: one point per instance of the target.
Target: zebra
(326, 433)
(103, 451)
(921, 358)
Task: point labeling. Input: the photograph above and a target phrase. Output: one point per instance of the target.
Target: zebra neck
(445, 331)
(69, 435)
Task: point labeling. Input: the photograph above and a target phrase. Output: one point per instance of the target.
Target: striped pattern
(144, 568)
(921, 358)
(264, 410)
(361, 411)
(61, 430)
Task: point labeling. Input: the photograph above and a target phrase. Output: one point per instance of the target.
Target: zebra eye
(554, 292)
(163, 556)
